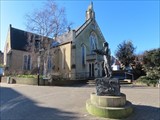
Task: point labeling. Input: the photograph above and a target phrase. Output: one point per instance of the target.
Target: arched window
(25, 62)
(93, 42)
(83, 54)
(29, 63)
(63, 58)
(49, 63)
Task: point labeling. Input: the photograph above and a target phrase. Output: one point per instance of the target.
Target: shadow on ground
(142, 112)
(15, 106)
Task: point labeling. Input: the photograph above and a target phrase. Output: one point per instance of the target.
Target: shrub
(153, 73)
(152, 67)
(147, 80)
(29, 76)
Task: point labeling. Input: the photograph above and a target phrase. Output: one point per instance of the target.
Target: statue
(107, 59)
(107, 85)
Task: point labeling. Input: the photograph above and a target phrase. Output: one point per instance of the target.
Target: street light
(38, 61)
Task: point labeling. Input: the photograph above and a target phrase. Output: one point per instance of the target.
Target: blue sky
(137, 21)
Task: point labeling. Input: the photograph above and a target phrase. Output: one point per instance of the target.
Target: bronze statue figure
(107, 59)
(107, 85)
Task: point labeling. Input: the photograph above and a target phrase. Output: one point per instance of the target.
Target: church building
(71, 55)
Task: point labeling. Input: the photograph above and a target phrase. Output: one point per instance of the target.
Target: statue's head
(105, 44)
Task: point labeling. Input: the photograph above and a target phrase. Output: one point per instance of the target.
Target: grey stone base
(115, 107)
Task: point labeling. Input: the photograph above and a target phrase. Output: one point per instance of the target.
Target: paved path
(24, 102)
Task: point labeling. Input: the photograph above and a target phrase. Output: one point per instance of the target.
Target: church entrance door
(91, 70)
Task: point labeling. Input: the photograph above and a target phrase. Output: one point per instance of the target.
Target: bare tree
(47, 23)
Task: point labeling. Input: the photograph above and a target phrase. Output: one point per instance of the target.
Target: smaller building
(115, 64)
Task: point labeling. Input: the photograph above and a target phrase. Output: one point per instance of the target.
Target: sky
(118, 20)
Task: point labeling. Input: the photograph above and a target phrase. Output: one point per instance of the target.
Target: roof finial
(90, 12)
(91, 4)
(90, 7)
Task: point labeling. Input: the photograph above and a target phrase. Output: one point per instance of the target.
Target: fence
(130, 74)
(76, 76)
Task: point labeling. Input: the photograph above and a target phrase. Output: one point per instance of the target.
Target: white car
(1, 71)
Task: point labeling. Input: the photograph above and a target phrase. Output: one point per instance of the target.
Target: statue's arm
(98, 51)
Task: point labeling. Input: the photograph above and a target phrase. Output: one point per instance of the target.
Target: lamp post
(38, 61)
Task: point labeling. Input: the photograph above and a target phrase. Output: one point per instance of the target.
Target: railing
(91, 56)
(76, 76)
(132, 76)
(82, 75)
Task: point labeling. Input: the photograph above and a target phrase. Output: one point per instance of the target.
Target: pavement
(28, 102)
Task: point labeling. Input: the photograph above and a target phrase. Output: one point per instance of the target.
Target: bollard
(8, 80)
(159, 83)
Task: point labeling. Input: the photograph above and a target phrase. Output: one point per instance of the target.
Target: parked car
(1, 71)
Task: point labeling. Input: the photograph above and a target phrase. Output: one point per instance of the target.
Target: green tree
(137, 66)
(151, 58)
(151, 66)
(151, 61)
(125, 53)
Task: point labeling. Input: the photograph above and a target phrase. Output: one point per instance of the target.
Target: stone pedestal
(116, 107)
(107, 86)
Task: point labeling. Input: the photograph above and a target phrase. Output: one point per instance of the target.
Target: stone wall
(62, 59)
(17, 56)
(17, 80)
(7, 45)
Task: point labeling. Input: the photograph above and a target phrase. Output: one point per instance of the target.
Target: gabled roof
(83, 26)
(18, 39)
(66, 37)
(63, 39)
